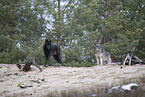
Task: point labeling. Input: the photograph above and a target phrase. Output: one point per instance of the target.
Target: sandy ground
(57, 79)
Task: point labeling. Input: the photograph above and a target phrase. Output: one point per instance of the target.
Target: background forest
(72, 24)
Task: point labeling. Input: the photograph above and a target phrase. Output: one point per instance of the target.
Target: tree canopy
(73, 25)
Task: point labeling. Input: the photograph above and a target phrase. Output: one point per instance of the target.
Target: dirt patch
(58, 79)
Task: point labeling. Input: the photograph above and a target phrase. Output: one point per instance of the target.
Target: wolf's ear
(46, 40)
(95, 41)
(99, 41)
(49, 42)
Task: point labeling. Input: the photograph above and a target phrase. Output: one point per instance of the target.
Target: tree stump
(27, 66)
(30, 60)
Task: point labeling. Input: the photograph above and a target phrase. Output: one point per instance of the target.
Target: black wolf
(102, 56)
(52, 50)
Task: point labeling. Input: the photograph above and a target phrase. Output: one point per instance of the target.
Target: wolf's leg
(109, 60)
(60, 58)
(45, 62)
(61, 61)
(101, 59)
(98, 62)
(49, 60)
(97, 59)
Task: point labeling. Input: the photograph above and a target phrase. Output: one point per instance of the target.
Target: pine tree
(21, 29)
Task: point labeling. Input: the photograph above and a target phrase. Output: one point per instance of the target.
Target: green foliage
(21, 27)
(77, 64)
(74, 26)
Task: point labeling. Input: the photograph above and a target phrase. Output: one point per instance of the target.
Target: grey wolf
(102, 56)
(52, 50)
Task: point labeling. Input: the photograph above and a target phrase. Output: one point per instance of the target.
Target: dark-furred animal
(52, 50)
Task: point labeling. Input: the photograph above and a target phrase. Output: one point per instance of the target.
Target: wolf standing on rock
(52, 50)
(102, 56)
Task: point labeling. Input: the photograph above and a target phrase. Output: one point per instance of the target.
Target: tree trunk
(58, 29)
(12, 26)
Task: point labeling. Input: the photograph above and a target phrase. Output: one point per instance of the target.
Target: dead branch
(132, 59)
(30, 61)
